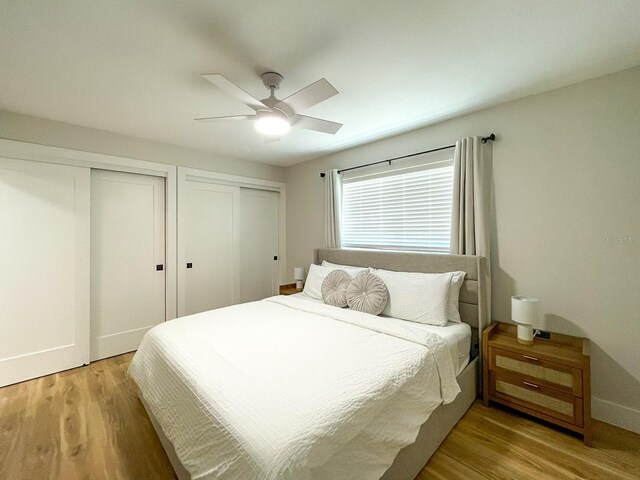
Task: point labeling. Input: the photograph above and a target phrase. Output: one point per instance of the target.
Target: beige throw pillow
(367, 293)
(334, 288)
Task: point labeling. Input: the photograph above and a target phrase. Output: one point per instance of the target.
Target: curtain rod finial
(322, 175)
(490, 138)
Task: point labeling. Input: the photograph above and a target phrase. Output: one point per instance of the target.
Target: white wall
(566, 178)
(24, 128)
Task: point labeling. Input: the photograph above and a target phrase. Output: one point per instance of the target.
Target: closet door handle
(189, 265)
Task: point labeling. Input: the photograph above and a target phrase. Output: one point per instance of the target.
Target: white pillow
(317, 274)
(453, 314)
(417, 297)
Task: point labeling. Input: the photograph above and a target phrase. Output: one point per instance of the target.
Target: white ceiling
(132, 67)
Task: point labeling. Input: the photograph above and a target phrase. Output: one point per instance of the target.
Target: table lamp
(524, 311)
(298, 276)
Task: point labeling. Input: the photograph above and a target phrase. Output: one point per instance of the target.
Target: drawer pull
(532, 385)
(533, 359)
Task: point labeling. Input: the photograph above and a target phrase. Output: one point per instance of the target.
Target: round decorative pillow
(334, 288)
(367, 293)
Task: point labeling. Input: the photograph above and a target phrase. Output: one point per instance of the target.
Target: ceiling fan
(274, 117)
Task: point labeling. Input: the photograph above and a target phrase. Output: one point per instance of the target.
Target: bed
(275, 389)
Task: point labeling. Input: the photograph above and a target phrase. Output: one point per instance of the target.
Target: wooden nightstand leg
(586, 395)
(485, 362)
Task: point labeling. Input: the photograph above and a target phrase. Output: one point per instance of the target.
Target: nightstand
(550, 379)
(289, 289)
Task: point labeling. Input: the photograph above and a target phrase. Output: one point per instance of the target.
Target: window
(402, 210)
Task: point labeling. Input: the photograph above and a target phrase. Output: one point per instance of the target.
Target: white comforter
(290, 389)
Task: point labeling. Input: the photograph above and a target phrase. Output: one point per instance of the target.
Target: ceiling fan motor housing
(272, 80)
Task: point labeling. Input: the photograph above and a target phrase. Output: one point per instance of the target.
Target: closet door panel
(259, 228)
(127, 245)
(44, 268)
(209, 246)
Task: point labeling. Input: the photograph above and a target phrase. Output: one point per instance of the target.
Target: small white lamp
(298, 276)
(524, 311)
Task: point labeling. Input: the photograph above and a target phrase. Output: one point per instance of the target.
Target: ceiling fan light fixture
(274, 117)
(273, 124)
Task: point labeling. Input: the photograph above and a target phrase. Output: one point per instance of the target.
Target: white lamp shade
(525, 311)
(298, 273)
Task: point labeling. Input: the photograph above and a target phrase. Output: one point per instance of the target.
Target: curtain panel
(470, 234)
(332, 209)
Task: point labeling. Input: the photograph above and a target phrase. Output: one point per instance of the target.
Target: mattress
(285, 388)
(457, 335)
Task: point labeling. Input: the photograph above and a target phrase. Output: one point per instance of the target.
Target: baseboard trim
(615, 414)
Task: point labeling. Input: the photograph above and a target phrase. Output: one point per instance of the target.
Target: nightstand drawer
(541, 372)
(536, 397)
(289, 289)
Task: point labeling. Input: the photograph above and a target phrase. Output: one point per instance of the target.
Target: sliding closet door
(259, 227)
(208, 230)
(44, 269)
(127, 260)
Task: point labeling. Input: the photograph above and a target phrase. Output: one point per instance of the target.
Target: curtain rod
(490, 138)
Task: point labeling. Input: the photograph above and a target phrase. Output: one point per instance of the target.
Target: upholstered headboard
(472, 293)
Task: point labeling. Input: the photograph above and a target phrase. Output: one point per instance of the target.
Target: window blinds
(401, 211)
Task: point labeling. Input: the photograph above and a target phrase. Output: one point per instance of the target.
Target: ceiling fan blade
(316, 124)
(232, 117)
(234, 90)
(310, 95)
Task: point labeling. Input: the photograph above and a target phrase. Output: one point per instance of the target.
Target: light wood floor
(88, 423)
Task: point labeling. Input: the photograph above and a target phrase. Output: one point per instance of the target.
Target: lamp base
(299, 284)
(525, 334)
